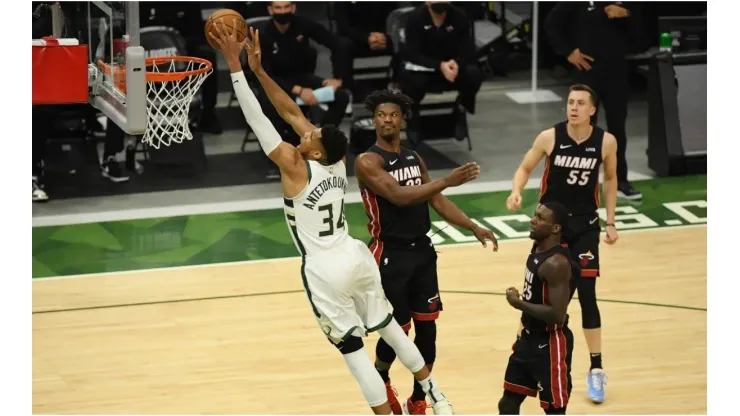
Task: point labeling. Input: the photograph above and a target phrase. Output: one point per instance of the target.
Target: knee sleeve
(350, 345)
(400, 343)
(589, 309)
(384, 352)
(555, 411)
(426, 339)
(367, 377)
(510, 403)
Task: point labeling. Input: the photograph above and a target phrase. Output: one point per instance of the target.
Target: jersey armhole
(305, 188)
(554, 142)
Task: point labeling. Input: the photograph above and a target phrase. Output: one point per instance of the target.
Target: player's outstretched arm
(453, 214)
(285, 106)
(556, 271)
(369, 170)
(609, 150)
(541, 147)
(283, 154)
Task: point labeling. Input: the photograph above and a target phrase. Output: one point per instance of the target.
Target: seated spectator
(290, 60)
(187, 18)
(438, 38)
(364, 24)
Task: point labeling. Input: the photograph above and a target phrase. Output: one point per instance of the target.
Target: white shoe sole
(635, 197)
(447, 410)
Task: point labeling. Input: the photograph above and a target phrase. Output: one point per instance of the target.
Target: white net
(169, 99)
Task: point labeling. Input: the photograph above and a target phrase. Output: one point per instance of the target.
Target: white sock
(367, 376)
(431, 388)
(405, 349)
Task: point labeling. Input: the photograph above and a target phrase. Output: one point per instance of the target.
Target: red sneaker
(418, 407)
(393, 398)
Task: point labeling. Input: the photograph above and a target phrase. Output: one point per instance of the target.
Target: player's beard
(388, 134)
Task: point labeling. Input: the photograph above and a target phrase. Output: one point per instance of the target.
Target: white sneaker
(350, 108)
(443, 407)
(37, 192)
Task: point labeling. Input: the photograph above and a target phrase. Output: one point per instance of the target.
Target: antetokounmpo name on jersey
(406, 173)
(575, 162)
(329, 183)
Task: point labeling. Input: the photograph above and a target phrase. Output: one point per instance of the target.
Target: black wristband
(611, 223)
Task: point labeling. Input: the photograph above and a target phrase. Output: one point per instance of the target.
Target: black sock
(418, 393)
(595, 361)
(384, 375)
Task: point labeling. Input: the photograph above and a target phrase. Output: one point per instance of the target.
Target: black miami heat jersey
(391, 223)
(572, 172)
(535, 287)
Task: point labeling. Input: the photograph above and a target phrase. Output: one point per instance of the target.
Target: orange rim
(164, 76)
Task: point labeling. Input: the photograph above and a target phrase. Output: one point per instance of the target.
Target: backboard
(116, 65)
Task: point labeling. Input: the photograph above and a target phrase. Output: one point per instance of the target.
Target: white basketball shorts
(343, 286)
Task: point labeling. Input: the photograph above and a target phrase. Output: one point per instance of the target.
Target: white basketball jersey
(316, 215)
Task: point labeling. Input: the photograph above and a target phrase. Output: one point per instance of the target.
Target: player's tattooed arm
(453, 214)
(556, 271)
(369, 170)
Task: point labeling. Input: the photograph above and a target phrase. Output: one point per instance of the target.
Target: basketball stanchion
(171, 83)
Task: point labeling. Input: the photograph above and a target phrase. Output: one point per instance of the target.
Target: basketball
(232, 20)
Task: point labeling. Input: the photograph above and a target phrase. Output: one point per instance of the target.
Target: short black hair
(334, 142)
(379, 97)
(559, 214)
(584, 87)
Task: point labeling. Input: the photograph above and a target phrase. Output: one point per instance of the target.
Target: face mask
(283, 18)
(439, 8)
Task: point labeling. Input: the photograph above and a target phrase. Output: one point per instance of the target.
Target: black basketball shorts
(540, 364)
(582, 239)
(409, 278)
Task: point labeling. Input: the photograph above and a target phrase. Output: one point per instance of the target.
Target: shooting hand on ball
(228, 44)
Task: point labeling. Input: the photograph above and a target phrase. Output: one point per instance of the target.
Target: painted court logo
(585, 258)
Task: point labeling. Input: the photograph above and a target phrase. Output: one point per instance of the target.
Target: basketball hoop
(172, 81)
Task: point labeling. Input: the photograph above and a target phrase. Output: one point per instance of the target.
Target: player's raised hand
(483, 234)
(227, 43)
(611, 235)
(463, 174)
(514, 201)
(254, 51)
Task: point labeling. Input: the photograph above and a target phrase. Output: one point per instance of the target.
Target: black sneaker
(625, 190)
(111, 169)
(37, 192)
(461, 126)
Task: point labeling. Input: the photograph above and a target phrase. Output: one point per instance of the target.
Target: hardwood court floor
(242, 339)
